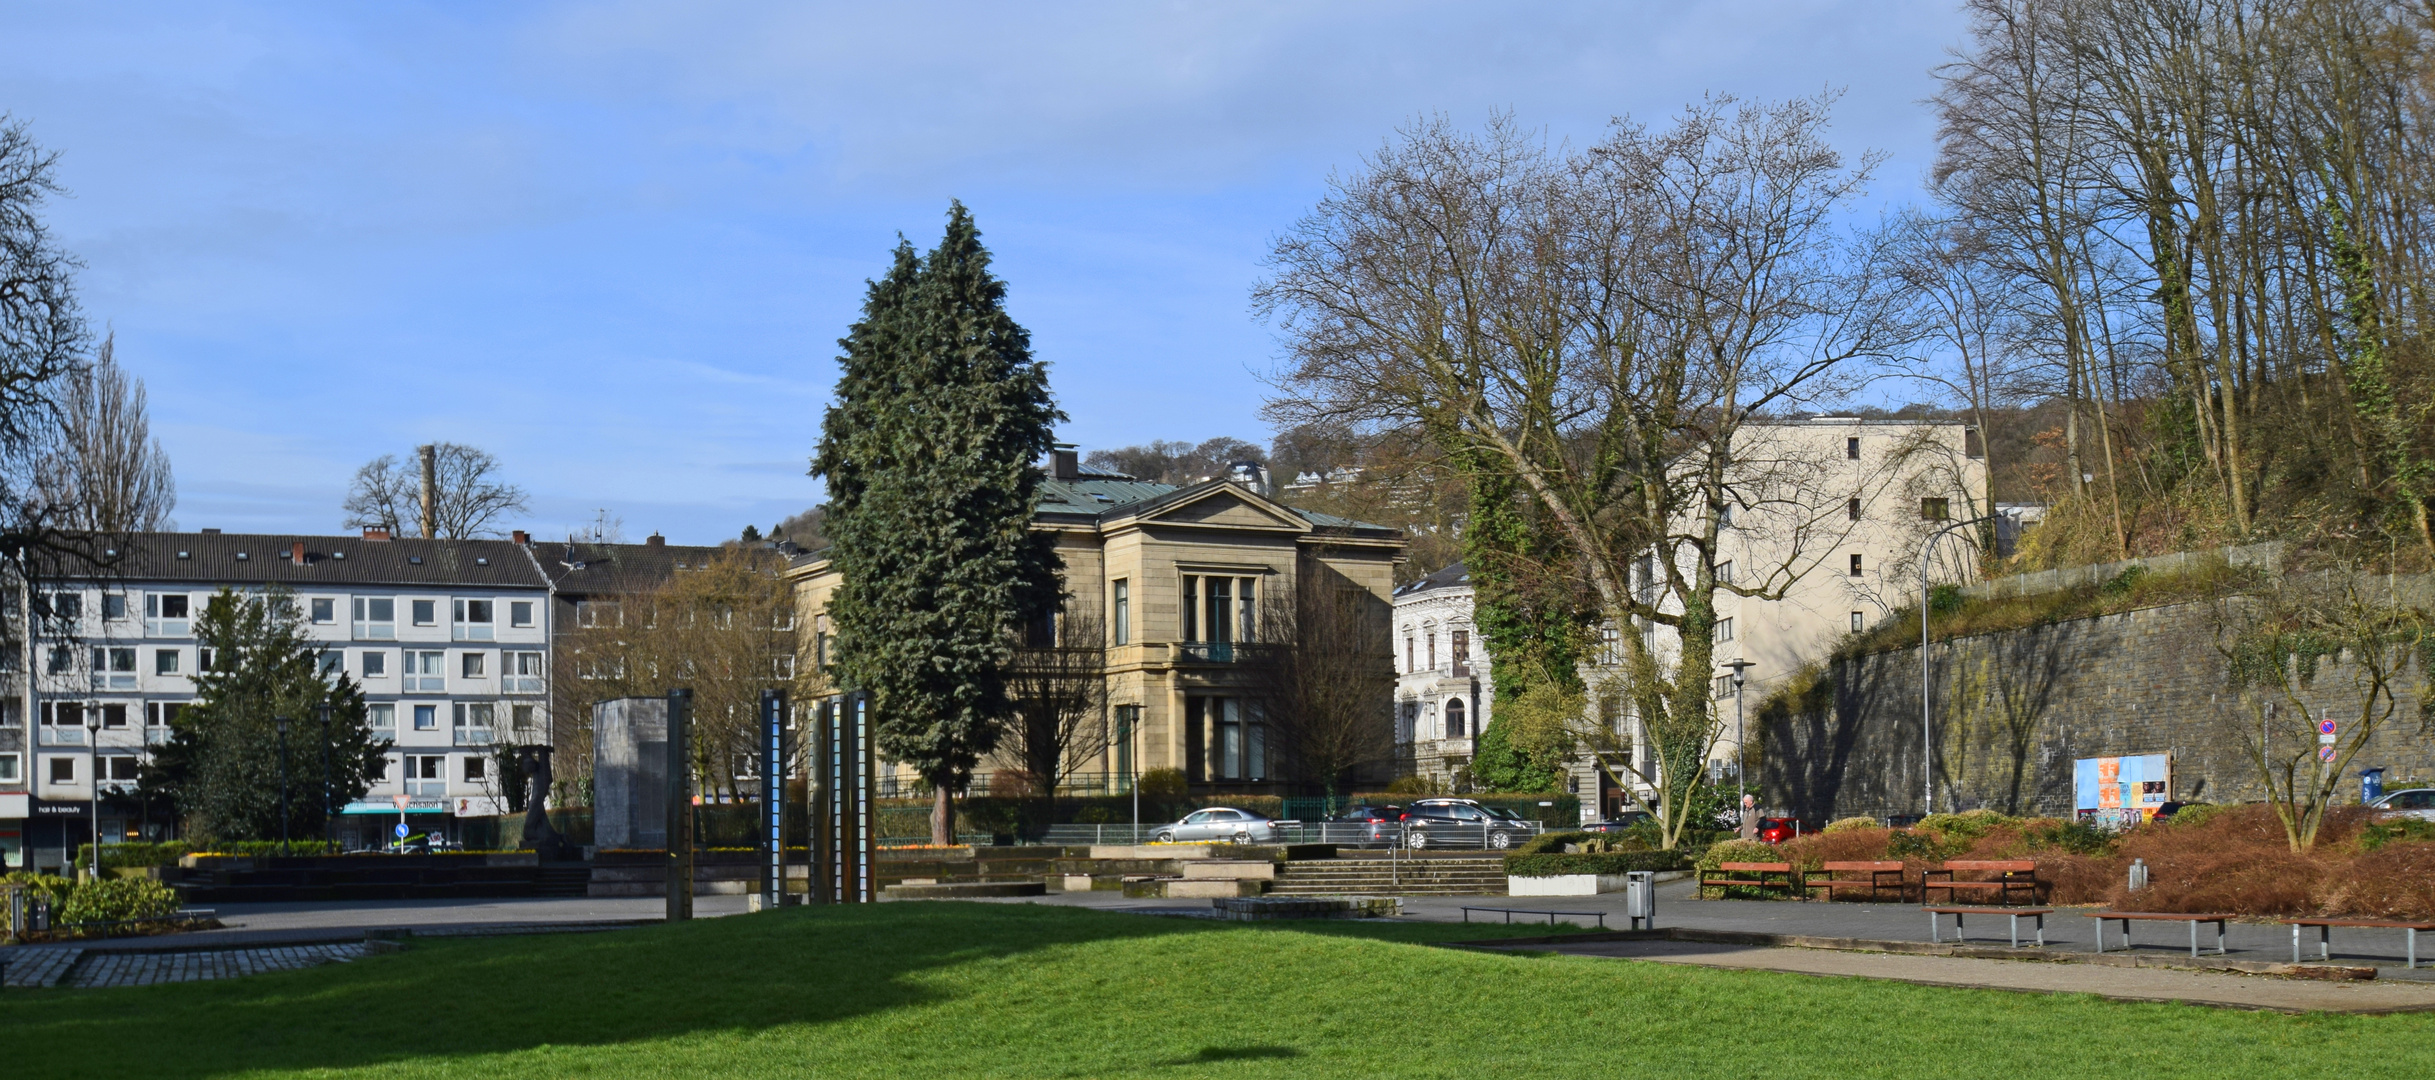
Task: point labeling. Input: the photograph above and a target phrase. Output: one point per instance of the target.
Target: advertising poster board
(2121, 790)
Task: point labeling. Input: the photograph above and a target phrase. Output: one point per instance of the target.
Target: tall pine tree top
(929, 453)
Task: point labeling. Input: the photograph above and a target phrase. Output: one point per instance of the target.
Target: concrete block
(1205, 889)
(1237, 869)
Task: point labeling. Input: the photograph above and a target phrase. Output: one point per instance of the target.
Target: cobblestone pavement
(145, 969)
(39, 965)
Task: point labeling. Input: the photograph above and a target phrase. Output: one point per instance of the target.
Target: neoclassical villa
(1443, 690)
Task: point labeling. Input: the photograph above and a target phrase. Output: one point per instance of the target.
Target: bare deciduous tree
(1605, 327)
(1058, 679)
(107, 472)
(468, 500)
(1323, 679)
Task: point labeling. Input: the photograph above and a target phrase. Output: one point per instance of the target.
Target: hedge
(1555, 864)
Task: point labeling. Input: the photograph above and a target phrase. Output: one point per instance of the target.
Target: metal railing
(1352, 834)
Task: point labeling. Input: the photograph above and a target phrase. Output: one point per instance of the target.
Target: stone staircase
(563, 879)
(1433, 875)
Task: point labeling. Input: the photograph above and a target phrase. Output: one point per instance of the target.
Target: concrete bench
(2325, 935)
(2126, 918)
(1935, 915)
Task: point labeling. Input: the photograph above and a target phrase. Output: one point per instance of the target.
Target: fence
(1353, 834)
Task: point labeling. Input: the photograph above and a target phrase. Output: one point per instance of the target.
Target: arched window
(1454, 718)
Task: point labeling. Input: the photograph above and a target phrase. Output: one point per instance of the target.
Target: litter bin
(2371, 785)
(1640, 898)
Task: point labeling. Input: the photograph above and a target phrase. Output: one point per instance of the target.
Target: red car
(1776, 830)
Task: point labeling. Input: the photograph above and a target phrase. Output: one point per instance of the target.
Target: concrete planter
(1564, 885)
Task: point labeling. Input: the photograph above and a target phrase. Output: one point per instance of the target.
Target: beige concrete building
(1175, 579)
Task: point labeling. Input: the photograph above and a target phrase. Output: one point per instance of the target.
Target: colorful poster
(2122, 790)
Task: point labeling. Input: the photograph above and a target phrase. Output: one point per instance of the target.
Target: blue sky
(615, 243)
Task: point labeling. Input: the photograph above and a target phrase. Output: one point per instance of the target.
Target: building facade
(1444, 686)
(448, 638)
(1177, 583)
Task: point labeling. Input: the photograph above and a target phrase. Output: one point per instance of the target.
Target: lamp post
(1739, 666)
(283, 818)
(321, 712)
(93, 744)
(1927, 741)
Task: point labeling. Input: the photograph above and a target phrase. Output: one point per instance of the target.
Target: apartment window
(426, 718)
(782, 666)
(1408, 664)
(1855, 566)
(331, 662)
(202, 659)
(380, 717)
(114, 716)
(590, 613)
(723, 617)
(120, 768)
(523, 671)
(474, 764)
(1851, 509)
(519, 613)
(325, 609)
(162, 713)
(60, 661)
(1123, 608)
(1723, 687)
(67, 606)
(426, 612)
(165, 613)
(375, 664)
(783, 619)
(425, 673)
(113, 669)
(1462, 646)
(8, 769)
(1191, 608)
(164, 661)
(67, 714)
(471, 620)
(1454, 718)
(63, 770)
(1724, 572)
(114, 605)
(1220, 604)
(1724, 630)
(474, 716)
(1935, 510)
(521, 716)
(1851, 448)
(1244, 623)
(1432, 650)
(375, 618)
(1859, 622)
(1971, 444)
(472, 665)
(378, 772)
(1610, 646)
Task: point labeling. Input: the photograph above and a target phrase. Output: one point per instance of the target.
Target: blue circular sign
(401, 830)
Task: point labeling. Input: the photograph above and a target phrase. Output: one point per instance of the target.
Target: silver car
(1221, 823)
(2414, 802)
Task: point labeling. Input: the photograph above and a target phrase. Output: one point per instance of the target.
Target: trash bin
(2371, 785)
(1640, 898)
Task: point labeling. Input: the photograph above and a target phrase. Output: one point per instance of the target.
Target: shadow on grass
(468, 997)
(1238, 1053)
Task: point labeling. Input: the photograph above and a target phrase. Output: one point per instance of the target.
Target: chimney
(520, 537)
(295, 553)
(431, 489)
(211, 532)
(1064, 462)
(655, 540)
(375, 532)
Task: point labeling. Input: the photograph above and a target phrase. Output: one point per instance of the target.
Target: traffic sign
(2325, 753)
(2325, 728)
(401, 830)
(401, 801)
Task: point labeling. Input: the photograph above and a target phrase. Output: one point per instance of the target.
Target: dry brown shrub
(2396, 881)
(2238, 861)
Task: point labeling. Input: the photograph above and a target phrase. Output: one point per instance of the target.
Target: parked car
(1463, 823)
(1364, 825)
(1221, 823)
(1776, 830)
(1370, 814)
(2409, 802)
(1629, 819)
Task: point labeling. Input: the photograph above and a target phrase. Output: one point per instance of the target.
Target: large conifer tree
(928, 451)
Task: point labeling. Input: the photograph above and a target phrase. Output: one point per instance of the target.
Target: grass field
(918, 990)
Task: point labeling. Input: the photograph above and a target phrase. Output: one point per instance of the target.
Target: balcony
(1206, 652)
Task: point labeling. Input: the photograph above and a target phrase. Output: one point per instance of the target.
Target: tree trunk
(942, 818)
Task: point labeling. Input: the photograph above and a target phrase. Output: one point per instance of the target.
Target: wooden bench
(2011, 875)
(1755, 875)
(2325, 935)
(2128, 917)
(1877, 872)
(2038, 913)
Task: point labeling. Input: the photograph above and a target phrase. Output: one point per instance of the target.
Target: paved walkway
(145, 969)
(2124, 983)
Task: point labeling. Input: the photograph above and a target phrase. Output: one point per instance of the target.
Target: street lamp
(283, 818)
(93, 744)
(1927, 742)
(1739, 666)
(321, 712)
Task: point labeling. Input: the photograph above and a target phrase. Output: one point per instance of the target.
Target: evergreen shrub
(1555, 864)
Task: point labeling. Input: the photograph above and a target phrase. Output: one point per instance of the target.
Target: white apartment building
(449, 639)
(1828, 516)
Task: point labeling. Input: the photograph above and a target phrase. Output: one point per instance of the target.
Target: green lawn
(918, 990)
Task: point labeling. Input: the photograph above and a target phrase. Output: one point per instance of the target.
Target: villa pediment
(1228, 507)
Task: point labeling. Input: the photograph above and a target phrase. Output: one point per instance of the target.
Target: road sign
(2325, 753)
(2325, 728)
(401, 801)
(401, 830)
